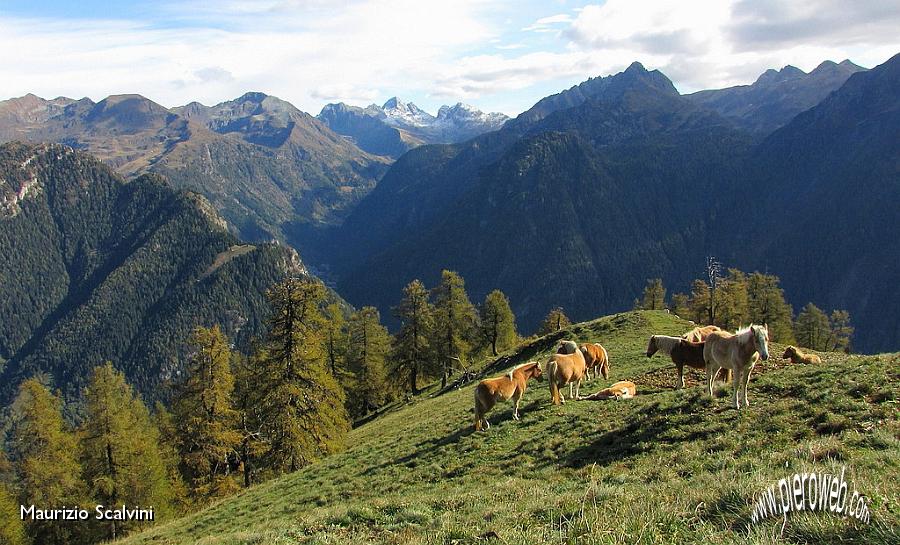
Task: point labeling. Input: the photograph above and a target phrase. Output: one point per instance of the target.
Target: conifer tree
(120, 453)
(247, 403)
(455, 324)
(335, 337)
(555, 320)
(301, 404)
(681, 305)
(12, 531)
(766, 305)
(732, 300)
(45, 463)
(654, 295)
(370, 344)
(841, 331)
(812, 328)
(412, 343)
(205, 419)
(168, 449)
(498, 323)
(701, 302)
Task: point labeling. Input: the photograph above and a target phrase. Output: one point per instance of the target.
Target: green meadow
(669, 466)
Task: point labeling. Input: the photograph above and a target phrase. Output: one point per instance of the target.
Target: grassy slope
(665, 467)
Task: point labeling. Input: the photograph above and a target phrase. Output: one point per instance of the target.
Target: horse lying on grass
(682, 352)
(621, 390)
(738, 352)
(510, 386)
(797, 356)
(595, 357)
(566, 369)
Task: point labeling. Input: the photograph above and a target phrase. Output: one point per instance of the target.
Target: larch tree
(45, 463)
(654, 295)
(251, 426)
(169, 450)
(701, 301)
(555, 320)
(766, 305)
(455, 324)
(411, 347)
(12, 530)
(301, 403)
(120, 450)
(681, 305)
(841, 331)
(205, 418)
(812, 328)
(335, 337)
(369, 347)
(498, 323)
(732, 300)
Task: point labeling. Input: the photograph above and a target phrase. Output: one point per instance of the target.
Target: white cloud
(546, 24)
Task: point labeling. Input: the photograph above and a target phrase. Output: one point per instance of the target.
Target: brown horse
(798, 356)
(565, 369)
(509, 386)
(699, 333)
(595, 357)
(738, 352)
(683, 353)
(621, 390)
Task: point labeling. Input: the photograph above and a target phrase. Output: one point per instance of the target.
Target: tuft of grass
(669, 466)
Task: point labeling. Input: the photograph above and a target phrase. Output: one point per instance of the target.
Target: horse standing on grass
(510, 386)
(798, 356)
(738, 352)
(699, 333)
(682, 353)
(566, 369)
(595, 357)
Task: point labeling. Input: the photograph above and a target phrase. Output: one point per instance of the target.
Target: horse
(594, 356)
(798, 356)
(699, 333)
(565, 369)
(738, 352)
(509, 386)
(621, 390)
(682, 353)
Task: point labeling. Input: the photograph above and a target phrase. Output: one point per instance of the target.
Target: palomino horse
(798, 356)
(623, 389)
(565, 369)
(738, 352)
(681, 352)
(595, 356)
(510, 386)
(699, 333)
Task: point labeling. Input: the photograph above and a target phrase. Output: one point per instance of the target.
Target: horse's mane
(517, 367)
(665, 343)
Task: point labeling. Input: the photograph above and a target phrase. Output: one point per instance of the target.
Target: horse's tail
(478, 415)
(554, 387)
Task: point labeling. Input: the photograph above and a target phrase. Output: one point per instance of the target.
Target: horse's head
(538, 372)
(761, 338)
(604, 370)
(651, 346)
(789, 353)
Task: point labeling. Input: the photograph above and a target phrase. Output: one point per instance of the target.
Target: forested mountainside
(93, 269)
(264, 164)
(592, 191)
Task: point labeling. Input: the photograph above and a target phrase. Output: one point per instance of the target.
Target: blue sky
(497, 55)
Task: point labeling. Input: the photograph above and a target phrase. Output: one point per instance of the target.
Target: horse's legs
(710, 373)
(680, 376)
(737, 381)
(517, 396)
(745, 380)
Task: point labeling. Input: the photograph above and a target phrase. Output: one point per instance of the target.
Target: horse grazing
(699, 333)
(621, 390)
(510, 386)
(738, 352)
(565, 369)
(595, 356)
(798, 356)
(682, 353)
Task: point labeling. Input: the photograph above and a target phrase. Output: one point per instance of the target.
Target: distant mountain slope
(776, 96)
(565, 207)
(264, 164)
(397, 126)
(825, 210)
(95, 269)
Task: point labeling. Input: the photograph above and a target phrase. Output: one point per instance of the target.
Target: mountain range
(582, 198)
(397, 126)
(94, 269)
